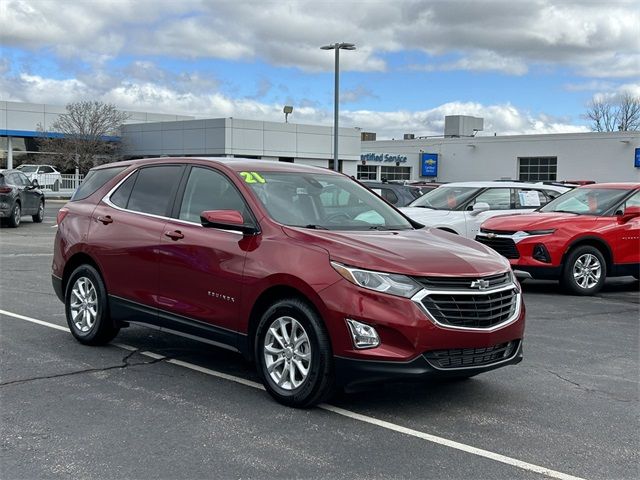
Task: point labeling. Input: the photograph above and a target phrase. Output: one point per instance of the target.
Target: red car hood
(424, 252)
(531, 221)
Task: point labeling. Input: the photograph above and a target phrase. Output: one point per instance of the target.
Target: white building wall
(307, 144)
(603, 157)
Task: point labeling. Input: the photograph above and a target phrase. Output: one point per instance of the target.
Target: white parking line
(337, 410)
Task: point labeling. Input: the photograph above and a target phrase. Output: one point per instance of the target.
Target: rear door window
(154, 188)
(528, 198)
(94, 180)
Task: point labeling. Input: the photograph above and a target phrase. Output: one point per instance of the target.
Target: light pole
(337, 47)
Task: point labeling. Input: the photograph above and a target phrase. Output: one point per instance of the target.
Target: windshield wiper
(425, 206)
(563, 211)
(315, 227)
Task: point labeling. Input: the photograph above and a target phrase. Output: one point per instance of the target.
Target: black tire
(16, 216)
(56, 186)
(318, 384)
(39, 217)
(577, 257)
(103, 329)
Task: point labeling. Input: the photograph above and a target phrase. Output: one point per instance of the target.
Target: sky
(526, 67)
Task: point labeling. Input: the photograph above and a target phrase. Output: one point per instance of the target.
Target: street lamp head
(341, 46)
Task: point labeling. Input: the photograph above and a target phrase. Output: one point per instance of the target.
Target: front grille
(504, 246)
(461, 283)
(471, 357)
(477, 310)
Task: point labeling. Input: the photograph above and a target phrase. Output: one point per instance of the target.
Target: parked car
(462, 207)
(18, 197)
(46, 175)
(258, 257)
(397, 194)
(588, 234)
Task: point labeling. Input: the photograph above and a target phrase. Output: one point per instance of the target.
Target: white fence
(59, 182)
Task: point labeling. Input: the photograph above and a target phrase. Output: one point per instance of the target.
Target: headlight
(390, 283)
(548, 231)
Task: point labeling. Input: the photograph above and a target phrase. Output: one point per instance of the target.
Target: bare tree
(620, 114)
(84, 136)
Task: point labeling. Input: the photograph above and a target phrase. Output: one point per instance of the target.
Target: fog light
(363, 335)
(541, 253)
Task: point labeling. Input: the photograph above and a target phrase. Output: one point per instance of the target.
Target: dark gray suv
(18, 197)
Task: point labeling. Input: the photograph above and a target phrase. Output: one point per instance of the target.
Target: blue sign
(637, 162)
(429, 164)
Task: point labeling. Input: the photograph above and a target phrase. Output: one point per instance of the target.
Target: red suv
(581, 237)
(305, 271)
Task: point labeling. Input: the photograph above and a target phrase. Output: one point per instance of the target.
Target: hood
(423, 252)
(426, 216)
(530, 221)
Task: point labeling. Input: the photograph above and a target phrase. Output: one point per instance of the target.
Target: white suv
(462, 207)
(46, 175)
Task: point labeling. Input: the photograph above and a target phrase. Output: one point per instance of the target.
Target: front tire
(293, 354)
(585, 271)
(16, 215)
(39, 217)
(87, 307)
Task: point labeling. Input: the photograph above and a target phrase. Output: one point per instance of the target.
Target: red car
(580, 238)
(305, 271)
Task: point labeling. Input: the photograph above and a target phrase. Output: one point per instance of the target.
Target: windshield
(586, 201)
(326, 202)
(445, 198)
(27, 168)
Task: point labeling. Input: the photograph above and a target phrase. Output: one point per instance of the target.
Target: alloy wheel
(287, 353)
(587, 271)
(84, 304)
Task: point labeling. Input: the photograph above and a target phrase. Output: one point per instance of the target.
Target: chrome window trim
(418, 297)
(107, 200)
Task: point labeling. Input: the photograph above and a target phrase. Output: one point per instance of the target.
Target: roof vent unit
(409, 136)
(462, 126)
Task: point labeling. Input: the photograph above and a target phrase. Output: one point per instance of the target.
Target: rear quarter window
(94, 180)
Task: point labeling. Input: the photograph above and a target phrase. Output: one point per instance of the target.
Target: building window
(367, 172)
(395, 173)
(537, 169)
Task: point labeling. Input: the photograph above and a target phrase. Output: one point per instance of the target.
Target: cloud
(356, 94)
(178, 98)
(595, 39)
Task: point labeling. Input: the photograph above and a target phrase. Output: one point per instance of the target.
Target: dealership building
(461, 153)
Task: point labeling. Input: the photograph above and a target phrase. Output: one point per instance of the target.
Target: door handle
(174, 235)
(106, 220)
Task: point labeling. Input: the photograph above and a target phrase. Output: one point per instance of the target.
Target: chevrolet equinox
(303, 270)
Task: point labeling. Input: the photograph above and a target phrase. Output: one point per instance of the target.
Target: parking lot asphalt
(151, 405)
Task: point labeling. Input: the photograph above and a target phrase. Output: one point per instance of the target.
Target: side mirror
(33, 185)
(479, 208)
(628, 214)
(226, 220)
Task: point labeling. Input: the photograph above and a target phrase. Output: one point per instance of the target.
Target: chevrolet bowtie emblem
(480, 284)
(491, 235)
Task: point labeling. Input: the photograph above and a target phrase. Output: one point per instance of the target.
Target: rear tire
(39, 217)
(585, 271)
(56, 186)
(16, 215)
(87, 307)
(293, 354)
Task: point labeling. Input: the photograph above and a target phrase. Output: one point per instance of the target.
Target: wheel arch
(263, 301)
(80, 258)
(591, 241)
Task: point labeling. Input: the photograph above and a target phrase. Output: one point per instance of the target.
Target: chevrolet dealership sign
(383, 157)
